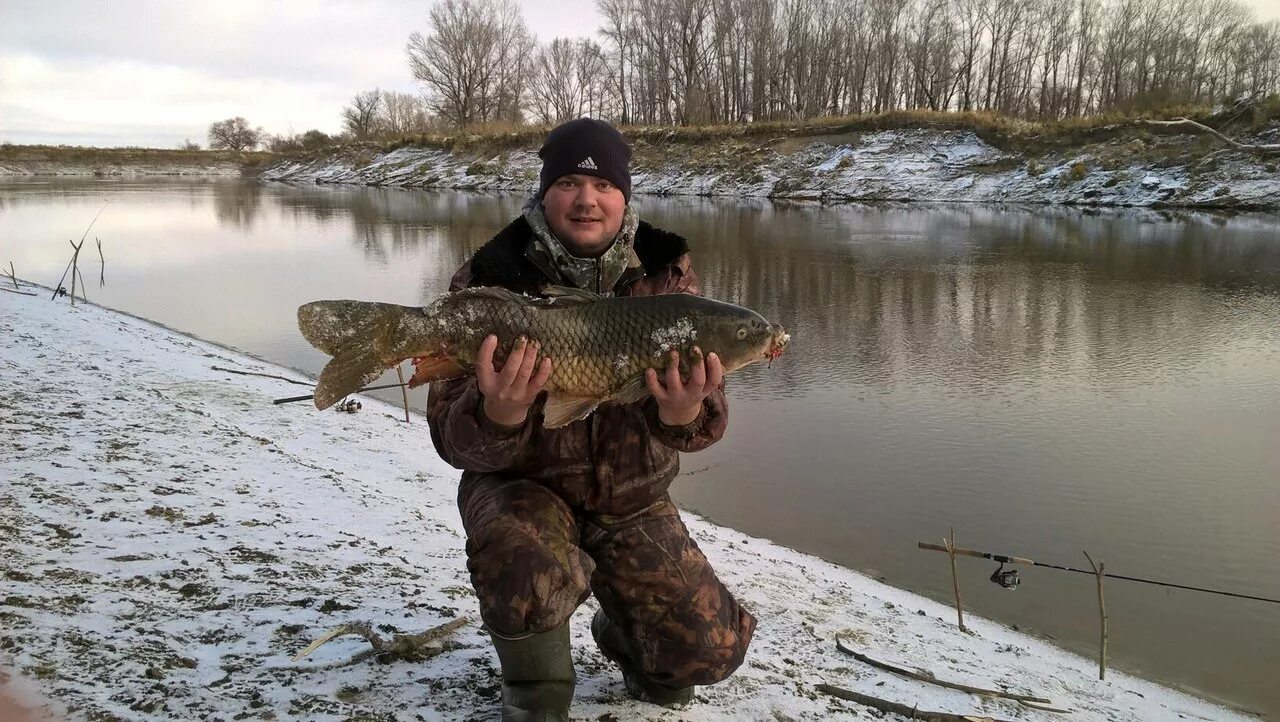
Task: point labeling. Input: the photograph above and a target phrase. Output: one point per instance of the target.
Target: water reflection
(388, 223)
(237, 204)
(1046, 379)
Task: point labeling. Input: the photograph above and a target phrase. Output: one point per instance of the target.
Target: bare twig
(267, 376)
(1263, 149)
(404, 391)
(1102, 612)
(13, 276)
(941, 683)
(885, 705)
(955, 580)
(102, 276)
(401, 646)
(20, 293)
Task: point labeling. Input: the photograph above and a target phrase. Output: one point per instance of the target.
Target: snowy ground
(891, 165)
(170, 539)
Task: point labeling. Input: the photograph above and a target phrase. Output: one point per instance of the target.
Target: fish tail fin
(358, 335)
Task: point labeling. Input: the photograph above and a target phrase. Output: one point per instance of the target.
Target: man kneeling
(553, 515)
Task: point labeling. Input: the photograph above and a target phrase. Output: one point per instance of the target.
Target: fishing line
(1007, 580)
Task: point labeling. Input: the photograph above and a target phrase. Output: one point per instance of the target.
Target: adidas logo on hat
(588, 164)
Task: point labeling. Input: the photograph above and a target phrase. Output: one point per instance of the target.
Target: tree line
(692, 62)
(695, 62)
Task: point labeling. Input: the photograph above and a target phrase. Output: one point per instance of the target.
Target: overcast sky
(153, 72)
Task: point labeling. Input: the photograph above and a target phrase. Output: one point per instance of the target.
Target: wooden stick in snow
(13, 276)
(74, 270)
(1102, 612)
(955, 581)
(267, 376)
(933, 680)
(1263, 149)
(404, 391)
(83, 286)
(885, 705)
(20, 293)
(102, 275)
(410, 646)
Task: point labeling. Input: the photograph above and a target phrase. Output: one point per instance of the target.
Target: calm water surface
(1044, 380)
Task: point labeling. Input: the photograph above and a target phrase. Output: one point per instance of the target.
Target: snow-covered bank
(170, 539)
(907, 165)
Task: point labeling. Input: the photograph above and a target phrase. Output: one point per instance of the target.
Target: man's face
(585, 213)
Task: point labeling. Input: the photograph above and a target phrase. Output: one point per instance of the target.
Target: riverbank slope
(172, 539)
(1109, 166)
(44, 160)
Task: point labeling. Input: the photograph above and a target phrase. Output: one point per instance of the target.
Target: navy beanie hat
(588, 147)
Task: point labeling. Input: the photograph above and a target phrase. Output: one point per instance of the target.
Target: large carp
(600, 347)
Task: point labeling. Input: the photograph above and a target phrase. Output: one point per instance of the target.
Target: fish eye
(742, 333)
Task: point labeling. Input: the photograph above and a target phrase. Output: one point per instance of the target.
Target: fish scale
(600, 346)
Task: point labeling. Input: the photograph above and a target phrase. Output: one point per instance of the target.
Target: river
(1045, 380)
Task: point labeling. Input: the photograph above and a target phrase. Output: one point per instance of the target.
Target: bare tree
(698, 61)
(474, 61)
(402, 114)
(568, 79)
(234, 134)
(313, 139)
(360, 118)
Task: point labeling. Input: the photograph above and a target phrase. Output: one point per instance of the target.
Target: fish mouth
(778, 339)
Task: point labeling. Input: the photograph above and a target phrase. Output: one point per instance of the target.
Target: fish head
(740, 337)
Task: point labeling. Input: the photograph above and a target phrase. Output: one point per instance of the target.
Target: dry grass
(1000, 130)
(125, 156)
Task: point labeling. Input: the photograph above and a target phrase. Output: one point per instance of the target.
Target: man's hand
(680, 401)
(510, 391)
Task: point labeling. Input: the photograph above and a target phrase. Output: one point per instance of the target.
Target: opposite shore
(1124, 164)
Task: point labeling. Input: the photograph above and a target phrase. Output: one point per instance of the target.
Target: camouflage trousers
(533, 560)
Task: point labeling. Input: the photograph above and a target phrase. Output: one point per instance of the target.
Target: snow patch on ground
(170, 539)
(899, 165)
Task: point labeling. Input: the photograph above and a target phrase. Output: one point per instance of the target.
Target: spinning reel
(1006, 578)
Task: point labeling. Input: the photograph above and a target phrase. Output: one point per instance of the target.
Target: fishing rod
(1009, 579)
(308, 397)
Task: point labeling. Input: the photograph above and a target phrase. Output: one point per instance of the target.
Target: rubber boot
(614, 645)
(537, 676)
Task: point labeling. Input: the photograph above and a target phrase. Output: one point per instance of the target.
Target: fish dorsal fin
(494, 292)
(632, 391)
(569, 294)
(564, 410)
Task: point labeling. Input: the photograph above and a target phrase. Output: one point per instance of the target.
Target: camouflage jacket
(620, 459)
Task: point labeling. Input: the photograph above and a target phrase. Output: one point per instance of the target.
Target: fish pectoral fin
(347, 373)
(631, 392)
(564, 410)
(569, 294)
(434, 368)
